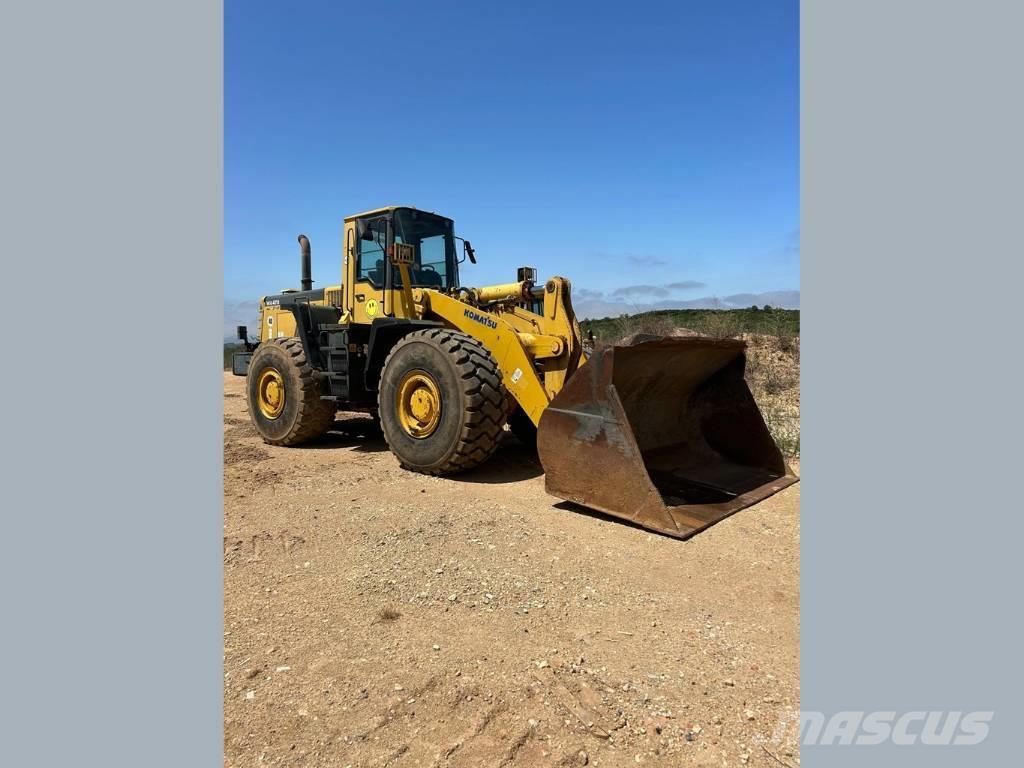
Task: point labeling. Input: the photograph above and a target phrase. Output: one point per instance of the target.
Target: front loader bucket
(664, 433)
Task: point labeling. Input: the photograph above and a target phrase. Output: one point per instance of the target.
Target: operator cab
(376, 284)
(432, 237)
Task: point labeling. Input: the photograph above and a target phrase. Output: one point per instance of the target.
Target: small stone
(453, 597)
(439, 570)
(250, 695)
(303, 713)
(411, 701)
(582, 757)
(284, 669)
(542, 664)
(399, 687)
(728, 682)
(436, 647)
(749, 714)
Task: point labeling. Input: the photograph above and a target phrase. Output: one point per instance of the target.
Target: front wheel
(441, 401)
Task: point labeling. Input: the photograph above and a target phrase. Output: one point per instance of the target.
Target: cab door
(371, 276)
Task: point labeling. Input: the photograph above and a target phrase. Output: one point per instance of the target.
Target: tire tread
(315, 416)
(484, 398)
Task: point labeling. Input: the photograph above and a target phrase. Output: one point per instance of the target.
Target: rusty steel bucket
(665, 434)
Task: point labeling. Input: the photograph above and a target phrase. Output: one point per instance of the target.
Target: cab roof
(388, 209)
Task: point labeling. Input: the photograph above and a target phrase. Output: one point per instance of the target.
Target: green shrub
(781, 323)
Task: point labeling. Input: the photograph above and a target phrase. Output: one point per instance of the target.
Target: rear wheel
(284, 397)
(441, 401)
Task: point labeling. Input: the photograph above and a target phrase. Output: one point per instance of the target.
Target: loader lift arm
(503, 342)
(535, 353)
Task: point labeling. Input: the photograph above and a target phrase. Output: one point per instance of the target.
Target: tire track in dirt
(511, 623)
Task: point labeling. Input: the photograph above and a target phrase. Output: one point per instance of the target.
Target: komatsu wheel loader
(664, 433)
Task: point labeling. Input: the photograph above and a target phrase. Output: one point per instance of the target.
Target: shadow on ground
(359, 434)
(512, 462)
(604, 517)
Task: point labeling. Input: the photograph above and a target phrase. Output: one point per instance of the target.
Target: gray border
(111, 203)
(911, 188)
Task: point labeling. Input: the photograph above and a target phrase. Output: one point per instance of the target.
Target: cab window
(371, 263)
(432, 238)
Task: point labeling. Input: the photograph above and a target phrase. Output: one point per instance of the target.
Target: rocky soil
(376, 617)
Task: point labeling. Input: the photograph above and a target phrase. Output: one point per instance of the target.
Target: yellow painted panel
(501, 340)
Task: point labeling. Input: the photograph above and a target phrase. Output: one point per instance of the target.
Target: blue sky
(641, 144)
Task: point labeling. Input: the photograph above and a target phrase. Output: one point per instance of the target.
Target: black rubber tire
(473, 402)
(305, 415)
(521, 426)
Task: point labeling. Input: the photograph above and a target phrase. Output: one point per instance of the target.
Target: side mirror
(467, 249)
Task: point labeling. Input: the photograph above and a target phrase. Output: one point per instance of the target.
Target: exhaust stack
(307, 264)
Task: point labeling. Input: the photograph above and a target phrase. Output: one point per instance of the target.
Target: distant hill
(589, 306)
(715, 322)
(230, 347)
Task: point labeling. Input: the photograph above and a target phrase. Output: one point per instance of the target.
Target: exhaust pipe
(307, 264)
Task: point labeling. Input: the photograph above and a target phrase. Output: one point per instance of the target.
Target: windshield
(434, 265)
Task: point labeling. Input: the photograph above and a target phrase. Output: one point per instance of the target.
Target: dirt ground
(376, 617)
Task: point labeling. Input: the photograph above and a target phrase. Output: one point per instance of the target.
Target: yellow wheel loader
(664, 433)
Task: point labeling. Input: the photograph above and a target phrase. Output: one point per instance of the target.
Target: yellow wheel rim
(418, 404)
(270, 393)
